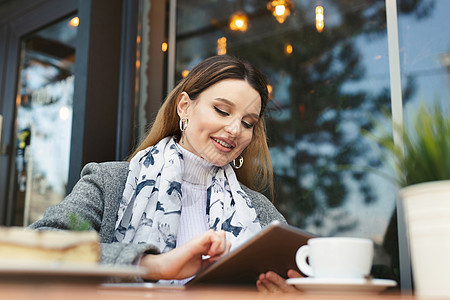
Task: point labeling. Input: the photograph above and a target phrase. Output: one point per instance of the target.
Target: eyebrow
(231, 103)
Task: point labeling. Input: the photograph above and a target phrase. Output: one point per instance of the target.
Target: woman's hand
(187, 260)
(271, 282)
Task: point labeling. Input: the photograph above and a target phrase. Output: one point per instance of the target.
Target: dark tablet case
(273, 249)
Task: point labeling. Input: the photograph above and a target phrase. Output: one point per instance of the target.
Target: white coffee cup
(336, 257)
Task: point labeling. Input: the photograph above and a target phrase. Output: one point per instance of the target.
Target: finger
(218, 244)
(197, 245)
(215, 245)
(269, 287)
(228, 247)
(261, 287)
(225, 252)
(268, 284)
(273, 281)
(294, 274)
(279, 282)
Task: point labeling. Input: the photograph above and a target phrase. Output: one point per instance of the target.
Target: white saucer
(341, 285)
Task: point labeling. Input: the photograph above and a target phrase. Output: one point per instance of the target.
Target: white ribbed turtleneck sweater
(193, 220)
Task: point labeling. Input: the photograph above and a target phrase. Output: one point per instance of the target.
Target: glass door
(44, 104)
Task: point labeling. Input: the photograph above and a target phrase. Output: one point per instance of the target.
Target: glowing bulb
(319, 19)
(64, 113)
(238, 21)
(164, 47)
(222, 46)
(184, 73)
(319, 26)
(74, 22)
(270, 90)
(280, 10)
(288, 49)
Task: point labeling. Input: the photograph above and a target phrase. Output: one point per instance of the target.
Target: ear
(184, 102)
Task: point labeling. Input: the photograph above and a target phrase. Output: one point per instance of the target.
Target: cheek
(208, 122)
(246, 139)
(202, 125)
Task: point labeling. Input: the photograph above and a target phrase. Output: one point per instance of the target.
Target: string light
(222, 46)
(164, 47)
(280, 9)
(184, 73)
(319, 19)
(74, 22)
(288, 49)
(64, 113)
(239, 21)
(270, 90)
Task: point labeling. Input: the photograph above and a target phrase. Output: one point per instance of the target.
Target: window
(329, 83)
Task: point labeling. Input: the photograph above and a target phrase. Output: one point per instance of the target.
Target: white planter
(427, 214)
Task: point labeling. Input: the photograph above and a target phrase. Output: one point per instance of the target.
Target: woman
(178, 196)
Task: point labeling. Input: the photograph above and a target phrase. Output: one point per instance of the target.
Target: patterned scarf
(151, 203)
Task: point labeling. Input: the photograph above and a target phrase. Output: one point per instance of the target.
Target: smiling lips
(223, 143)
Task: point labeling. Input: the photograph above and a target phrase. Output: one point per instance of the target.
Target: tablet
(272, 249)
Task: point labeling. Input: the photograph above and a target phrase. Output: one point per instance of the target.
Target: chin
(218, 163)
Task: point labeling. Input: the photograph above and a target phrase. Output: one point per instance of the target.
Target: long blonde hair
(256, 172)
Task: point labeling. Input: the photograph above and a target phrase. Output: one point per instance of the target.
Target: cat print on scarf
(150, 208)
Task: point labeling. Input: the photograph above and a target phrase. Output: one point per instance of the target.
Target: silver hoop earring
(183, 125)
(240, 160)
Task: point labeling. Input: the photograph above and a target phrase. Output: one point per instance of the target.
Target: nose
(233, 127)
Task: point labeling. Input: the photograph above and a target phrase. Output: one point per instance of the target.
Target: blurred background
(81, 81)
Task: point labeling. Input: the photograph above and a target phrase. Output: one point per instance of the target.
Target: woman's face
(220, 120)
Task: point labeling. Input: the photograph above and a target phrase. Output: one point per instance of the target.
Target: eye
(247, 125)
(221, 112)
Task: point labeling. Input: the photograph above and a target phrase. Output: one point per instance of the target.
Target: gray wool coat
(96, 198)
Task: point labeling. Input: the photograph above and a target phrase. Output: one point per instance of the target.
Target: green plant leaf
(78, 223)
(425, 155)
